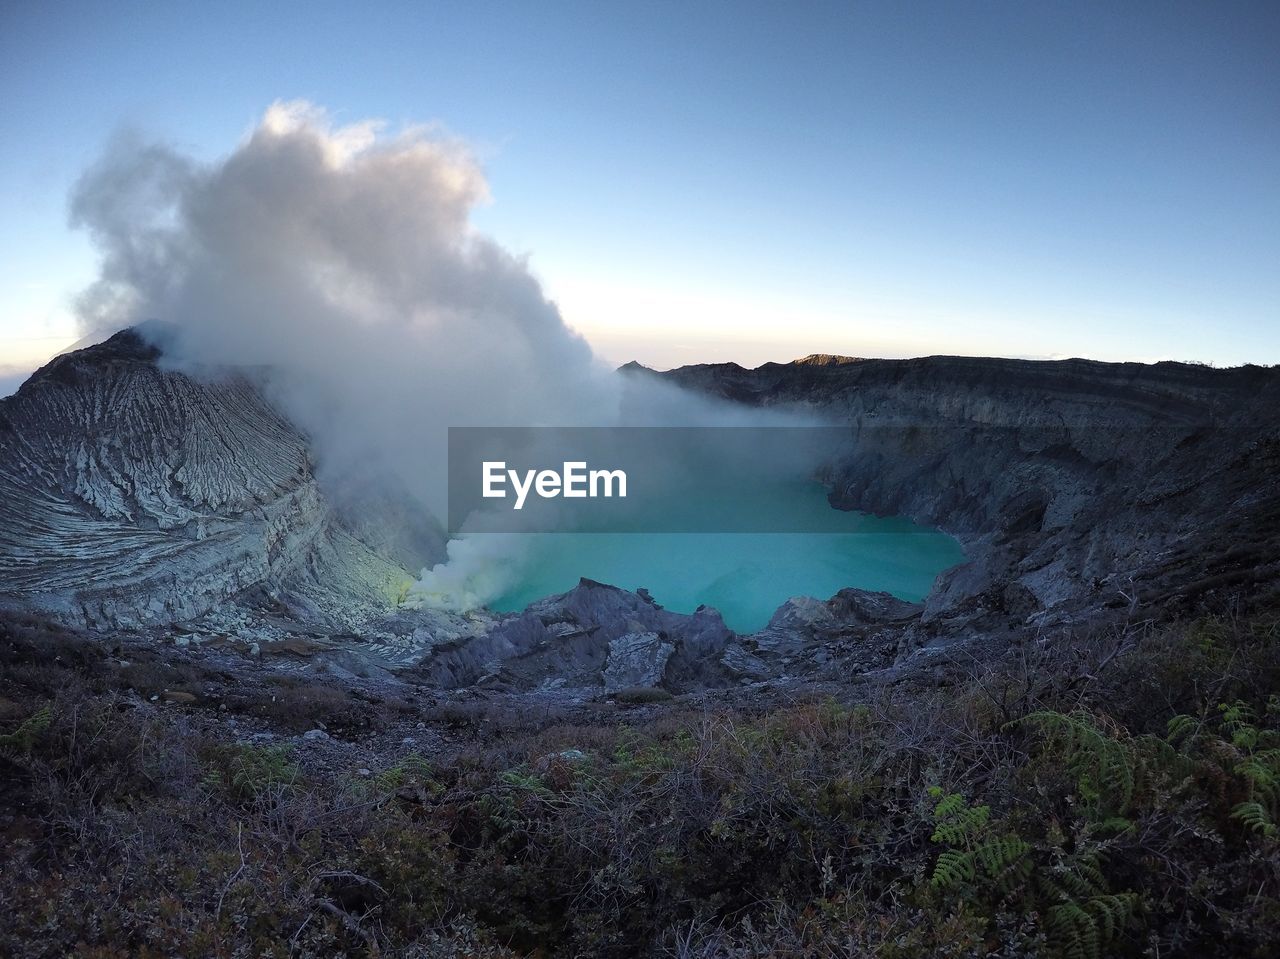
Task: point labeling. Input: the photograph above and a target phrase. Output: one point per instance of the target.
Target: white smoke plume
(342, 259)
(346, 260)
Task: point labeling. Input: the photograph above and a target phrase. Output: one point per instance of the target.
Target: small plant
(24, 737)
(411, 772)
(1236, 744)
(1135, 814)
(1107, 768)
(995, 868)
(979, 853)
(246, 772)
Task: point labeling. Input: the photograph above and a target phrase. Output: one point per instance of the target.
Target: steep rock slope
(133, 495)
(1076, 487)
(594, 635)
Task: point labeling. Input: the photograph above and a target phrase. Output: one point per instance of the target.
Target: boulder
(637, 659)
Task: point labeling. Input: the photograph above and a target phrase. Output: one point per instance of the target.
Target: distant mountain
(825, 359)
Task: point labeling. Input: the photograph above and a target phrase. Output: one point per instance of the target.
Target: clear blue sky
(742, 181)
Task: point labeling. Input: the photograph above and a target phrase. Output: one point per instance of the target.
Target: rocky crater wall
(1076, 487)
(140, 498)
(132, 496)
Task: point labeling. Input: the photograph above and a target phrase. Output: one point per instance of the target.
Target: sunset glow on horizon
(704, 184)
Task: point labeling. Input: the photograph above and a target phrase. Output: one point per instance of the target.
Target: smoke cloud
(341, 261)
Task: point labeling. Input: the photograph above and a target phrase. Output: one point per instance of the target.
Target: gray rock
(567, 640)
(636, 659)
(134, 495)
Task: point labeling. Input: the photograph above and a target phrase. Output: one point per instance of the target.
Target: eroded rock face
(855, 631)
(133, 496)
(1078, 489)
(594, 635)
(637, 659)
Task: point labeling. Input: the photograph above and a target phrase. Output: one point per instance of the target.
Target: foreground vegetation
(1111, 796)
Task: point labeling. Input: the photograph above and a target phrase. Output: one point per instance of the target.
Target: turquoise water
(746, 576)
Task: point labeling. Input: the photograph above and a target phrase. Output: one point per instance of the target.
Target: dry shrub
(1038, 806)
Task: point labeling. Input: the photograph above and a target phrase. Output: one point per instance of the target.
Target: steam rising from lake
(341, 259)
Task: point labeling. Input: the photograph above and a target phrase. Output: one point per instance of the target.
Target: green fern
(1001, 860)
(1081, 878)
(1107, 768)
(1086, 917)
(23, 738)
(246, 772)
(1114, 912)
(1111, 826)
(1082, 930)
(1006, 862)
(1074, 932)
(1083, 917)
(1182, 727)
(1254, 816)
(519, 780)
(1237, 715)
(1233, 744)
(1262, 772)
(957, 823)
(953, 870)
(412, 769)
